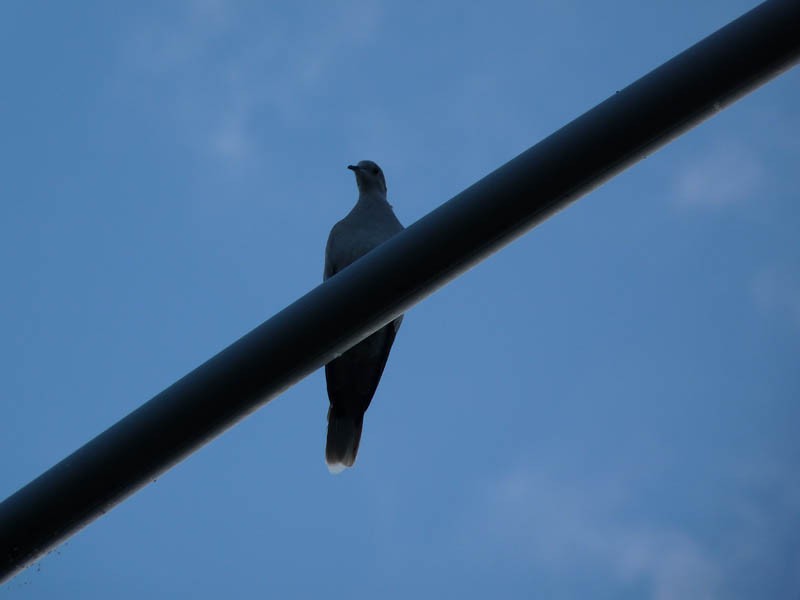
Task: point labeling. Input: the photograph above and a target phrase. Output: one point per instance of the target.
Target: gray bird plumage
(353, 377)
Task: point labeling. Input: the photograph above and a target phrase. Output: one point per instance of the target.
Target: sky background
(607, 408)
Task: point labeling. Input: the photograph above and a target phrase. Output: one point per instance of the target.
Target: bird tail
(344, 435)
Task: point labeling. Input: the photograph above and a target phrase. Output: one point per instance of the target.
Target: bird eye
(375, 170)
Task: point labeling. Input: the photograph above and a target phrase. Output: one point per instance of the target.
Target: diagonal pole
(363, 297)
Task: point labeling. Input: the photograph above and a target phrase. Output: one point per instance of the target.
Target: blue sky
(608, 408)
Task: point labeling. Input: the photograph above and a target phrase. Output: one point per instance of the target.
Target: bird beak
(353, 168)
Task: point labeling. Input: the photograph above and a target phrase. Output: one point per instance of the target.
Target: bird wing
(353, 377)
(330, 264)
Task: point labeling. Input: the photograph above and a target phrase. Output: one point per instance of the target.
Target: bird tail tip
(344, 435)
(335, 468)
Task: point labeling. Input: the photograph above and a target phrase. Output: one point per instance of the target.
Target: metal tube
(393, 278)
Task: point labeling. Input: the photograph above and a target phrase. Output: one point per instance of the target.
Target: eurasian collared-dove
(353, 377)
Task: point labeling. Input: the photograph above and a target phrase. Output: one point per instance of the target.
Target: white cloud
(776, 290)
(164, 45)
(601, 525)
(722, 175)
(230, 139)
(761, 547)
(217, 65)
(569, 527)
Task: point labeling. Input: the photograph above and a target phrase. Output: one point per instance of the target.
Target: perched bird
(353, 377)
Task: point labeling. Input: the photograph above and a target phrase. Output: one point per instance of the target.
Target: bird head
(369, 177)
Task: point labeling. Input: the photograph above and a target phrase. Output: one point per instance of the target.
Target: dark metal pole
(390, 280)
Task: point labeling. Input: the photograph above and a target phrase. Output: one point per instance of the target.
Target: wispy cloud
(568, 527)
(776, 290)
(591, 525)
(161, 46)
(724, 174)
(230, 139)
(221, 66)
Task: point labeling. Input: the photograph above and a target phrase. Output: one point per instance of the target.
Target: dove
(353, 377)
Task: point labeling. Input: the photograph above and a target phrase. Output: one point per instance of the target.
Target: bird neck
(372, 198)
